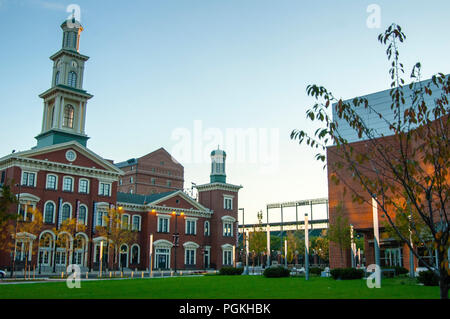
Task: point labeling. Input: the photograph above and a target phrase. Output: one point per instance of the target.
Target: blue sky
(158, 66)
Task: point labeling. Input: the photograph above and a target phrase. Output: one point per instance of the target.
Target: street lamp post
(176, 237)
(306, 247)
(15, 232)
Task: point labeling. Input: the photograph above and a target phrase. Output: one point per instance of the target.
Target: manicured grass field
(226, 287)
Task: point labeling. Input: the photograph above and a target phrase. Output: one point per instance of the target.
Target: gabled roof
(72, 144)
(156, 199)
(140, 199)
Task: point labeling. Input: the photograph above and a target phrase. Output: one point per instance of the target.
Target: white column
(268, 245)
(83, 124)
(44, 116)
(376, 232)
(56, 111)
(306, 248)
(61, 114)
(352, 246)
(80, 105)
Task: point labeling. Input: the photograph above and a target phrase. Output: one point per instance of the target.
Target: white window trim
(27, 204)
(54, 211)
(71, 209)
(139, 254)
(168, 222)
(227, 248)
(73, 182)
(225, 198)
(186, 249)
(190, 219)
(190, 245)
(140, 222)
(87, 213)
(99, 188)
(209, 228)
(129, 220)
(29, 172)
(56, 182)
(88, 185)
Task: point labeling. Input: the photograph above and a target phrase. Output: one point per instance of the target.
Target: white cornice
(55, 167)
(218, 186)
(165, 210)
(71, 144)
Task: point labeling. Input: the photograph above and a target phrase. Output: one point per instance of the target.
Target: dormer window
(72, 79)
(68, 116)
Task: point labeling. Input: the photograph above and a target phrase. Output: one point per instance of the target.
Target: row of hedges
(279, 271)
(315, 271)
(346, 273)
(227, 271)
(398, 271)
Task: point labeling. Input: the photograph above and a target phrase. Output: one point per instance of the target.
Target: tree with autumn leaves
(406, 171)
(116, 231)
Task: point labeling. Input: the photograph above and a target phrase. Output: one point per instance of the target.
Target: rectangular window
(83, 186)
(28, 179)
(228, 229)
(227, 257)
(169, 183)
(51, 182)
(228, 203)
(163, 225)
(100, 220)
(136, 223)
(104, 189)
(153, 181)
(189, 257)
(190, 227)
(68, 184)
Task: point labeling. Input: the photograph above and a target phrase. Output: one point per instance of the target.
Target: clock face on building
(71, 155)
(74, 64)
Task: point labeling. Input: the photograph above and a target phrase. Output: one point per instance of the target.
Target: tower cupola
(218, 158)
(71, 34)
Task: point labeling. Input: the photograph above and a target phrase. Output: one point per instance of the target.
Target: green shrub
(315, 270)
(346, 273)
(279, 271)
(398, 271)
(227, 271)
(428, 278)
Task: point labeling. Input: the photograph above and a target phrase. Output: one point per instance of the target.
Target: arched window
(207, 228)
(45, 249)
(66, 212)
(135, 254)
(49, 211)
(72, 79)
(68, 116)
(57, 78)
(82, 214)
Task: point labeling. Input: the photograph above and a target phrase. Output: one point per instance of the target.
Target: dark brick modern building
(64, 179)
(360, 216)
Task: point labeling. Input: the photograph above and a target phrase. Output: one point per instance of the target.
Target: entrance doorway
(123, 256)
(162, 260)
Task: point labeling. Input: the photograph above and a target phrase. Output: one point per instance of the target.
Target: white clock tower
(65, 102)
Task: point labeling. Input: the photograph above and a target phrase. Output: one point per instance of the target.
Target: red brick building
(64, 179)
(153, 173)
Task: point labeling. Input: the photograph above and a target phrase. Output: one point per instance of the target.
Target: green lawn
(226, 287)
